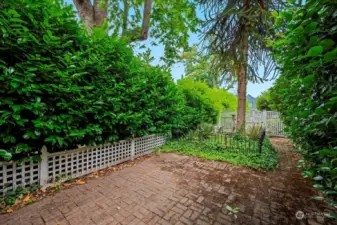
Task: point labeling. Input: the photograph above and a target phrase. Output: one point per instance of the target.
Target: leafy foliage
(254, 131)
(208, 69)
(305, 93)
(232, 211)
(204, 104)
(236, 32)
(5, 155)
(213, 150)
(264, 102)
(16, 195)
(226, 23)
(60, 87)
(171, 23)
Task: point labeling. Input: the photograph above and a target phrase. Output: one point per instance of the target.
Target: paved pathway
(176, 189)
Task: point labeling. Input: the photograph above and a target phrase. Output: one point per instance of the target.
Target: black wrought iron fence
(227, 141)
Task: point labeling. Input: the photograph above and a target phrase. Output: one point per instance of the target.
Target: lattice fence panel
(73, 163)
(13, 175)
(275, 127)
(78, 162)
(145, 145)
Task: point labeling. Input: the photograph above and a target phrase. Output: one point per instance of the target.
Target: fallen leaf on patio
(80, 182)
(10, 210)
(17, 201)
(26, 198)
(67, 184)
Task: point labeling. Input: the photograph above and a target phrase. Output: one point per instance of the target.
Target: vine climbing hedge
(306, 91)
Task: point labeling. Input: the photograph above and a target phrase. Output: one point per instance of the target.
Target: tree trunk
(95, 14)
(146, 19)
(242, 80)
(85, 11)
(100, 11)
(214, 81)
(242, 92)
(92, 14)
(125, 17)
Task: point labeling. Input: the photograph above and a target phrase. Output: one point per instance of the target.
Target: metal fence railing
(268, 119)
(229, 141)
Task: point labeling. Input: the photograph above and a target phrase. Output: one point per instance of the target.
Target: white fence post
(44, 167)
(264, 119)
(132, 148)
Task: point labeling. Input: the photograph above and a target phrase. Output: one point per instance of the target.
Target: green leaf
(288, 16)
(331, 215)
(22, 148)
(311, 27)
(5, 155)
(318, 186)
(320, 198)
(315, 51)
(330, 56)
(313, 40)
(308, 80)
(327, 43)
(229, 208)
(274, 13)
(306, 174)
(324, 168)
(324, 152)
(15, 84)
(318, 178)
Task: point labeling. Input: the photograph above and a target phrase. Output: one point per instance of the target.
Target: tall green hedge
(60, 87)
(204, 104)
(306, 91)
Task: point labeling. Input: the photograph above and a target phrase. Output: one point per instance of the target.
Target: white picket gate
(274, 125)
(268, 119)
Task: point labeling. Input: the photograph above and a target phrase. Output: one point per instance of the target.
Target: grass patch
(211, 150)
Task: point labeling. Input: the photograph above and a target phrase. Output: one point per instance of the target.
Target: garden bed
(239, 151)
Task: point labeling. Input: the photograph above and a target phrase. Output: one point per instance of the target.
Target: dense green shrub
(264, 102)
(305, 93)
(60, 87)
(204, 104)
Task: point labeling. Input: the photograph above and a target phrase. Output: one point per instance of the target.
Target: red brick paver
(182, 190)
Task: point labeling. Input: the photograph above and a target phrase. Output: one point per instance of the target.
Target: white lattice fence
(268, 119)
(145, 145)
(13, 175)
(275, 127)
(74, 163)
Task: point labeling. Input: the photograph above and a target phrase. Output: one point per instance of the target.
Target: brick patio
(176, 189)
